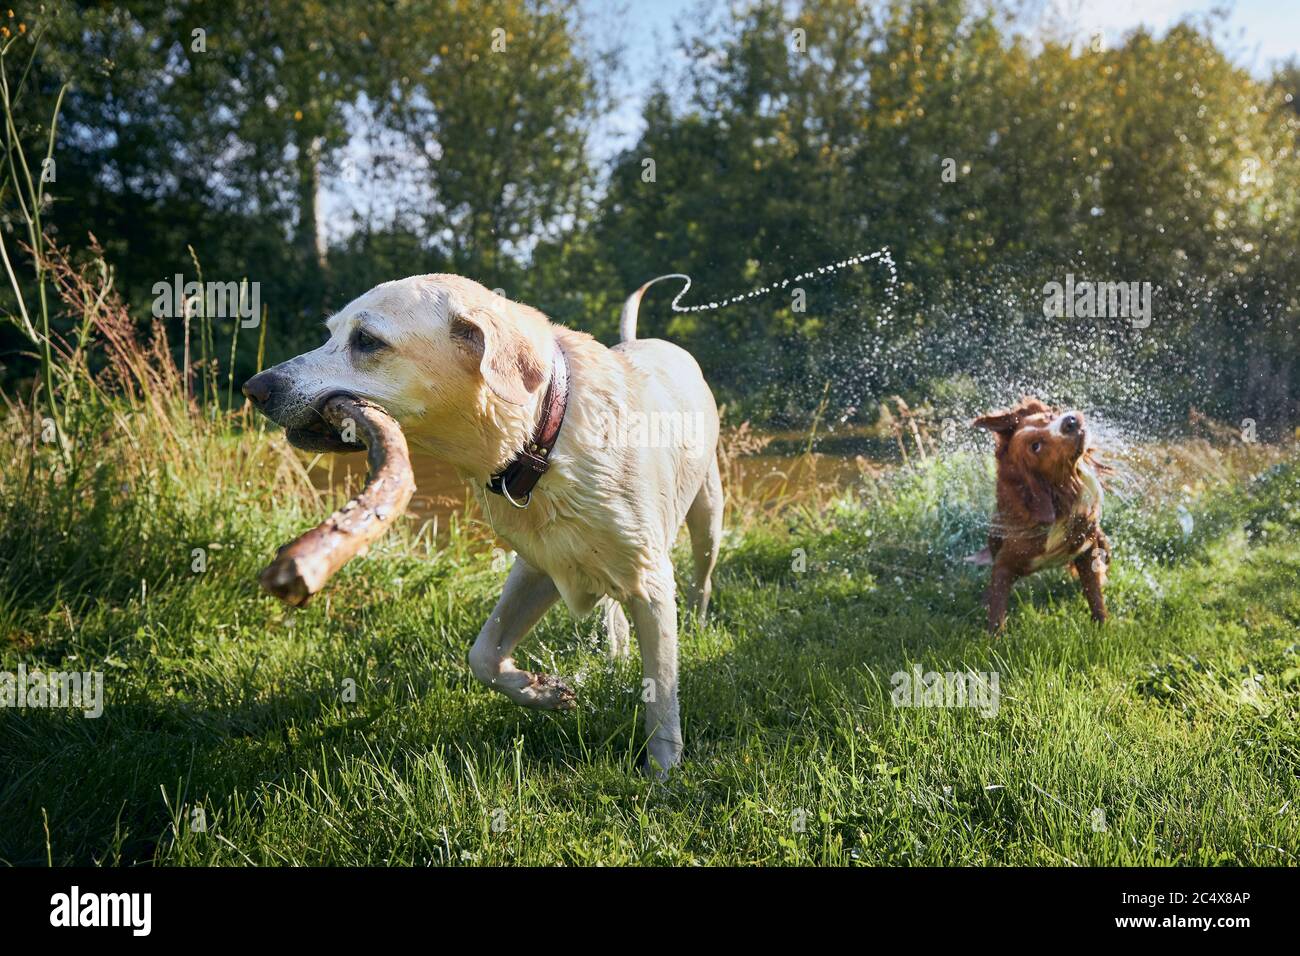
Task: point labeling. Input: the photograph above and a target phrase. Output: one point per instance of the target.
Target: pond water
(778, 469)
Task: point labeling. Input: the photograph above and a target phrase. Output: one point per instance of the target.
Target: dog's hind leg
(704, 522)
(655, 617)
(528, 595)
(617, 631)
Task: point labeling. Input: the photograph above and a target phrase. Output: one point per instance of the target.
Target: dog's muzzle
(273, 394)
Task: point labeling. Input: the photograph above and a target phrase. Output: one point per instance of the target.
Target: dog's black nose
(258, 388)
(1069, 425)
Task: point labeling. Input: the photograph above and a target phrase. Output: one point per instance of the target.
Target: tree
(495, 100)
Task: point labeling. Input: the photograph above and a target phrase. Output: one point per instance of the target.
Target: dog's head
(1038, 454)
(435, 351)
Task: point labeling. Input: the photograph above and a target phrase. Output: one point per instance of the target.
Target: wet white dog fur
(464, 372)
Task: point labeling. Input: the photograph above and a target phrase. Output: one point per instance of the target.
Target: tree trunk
(310, 241)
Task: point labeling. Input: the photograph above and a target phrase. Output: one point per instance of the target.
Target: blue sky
(1270, 29)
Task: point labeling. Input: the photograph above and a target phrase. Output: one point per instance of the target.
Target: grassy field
(231, 733)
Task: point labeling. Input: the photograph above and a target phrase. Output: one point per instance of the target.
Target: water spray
(627, 320)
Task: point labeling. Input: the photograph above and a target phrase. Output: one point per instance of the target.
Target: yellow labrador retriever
(586, 459)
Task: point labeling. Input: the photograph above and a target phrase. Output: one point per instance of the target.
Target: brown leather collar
(515, 482)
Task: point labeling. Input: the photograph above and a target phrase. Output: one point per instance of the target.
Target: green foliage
(470, 150)
(225, 148)
(1157, 160)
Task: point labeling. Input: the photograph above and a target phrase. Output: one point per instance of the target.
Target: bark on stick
(304, 565)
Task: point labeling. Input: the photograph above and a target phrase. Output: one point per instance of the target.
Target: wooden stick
(305, 564)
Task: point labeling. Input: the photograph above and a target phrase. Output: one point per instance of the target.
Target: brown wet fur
(1038, 490)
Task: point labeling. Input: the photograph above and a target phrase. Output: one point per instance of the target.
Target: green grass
(1177, 721)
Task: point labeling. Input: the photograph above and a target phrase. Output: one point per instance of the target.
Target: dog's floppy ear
(1004, 422)
(1000, 423)
(1022, 494)
(510, 362)
(1038, 498)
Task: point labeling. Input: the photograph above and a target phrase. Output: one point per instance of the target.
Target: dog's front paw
(539, 691)
(545, 692)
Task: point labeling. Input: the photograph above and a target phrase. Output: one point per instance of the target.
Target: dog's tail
(627, 321)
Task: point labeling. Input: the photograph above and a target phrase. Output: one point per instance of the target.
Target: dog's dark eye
(363, 341)
(1036, 447)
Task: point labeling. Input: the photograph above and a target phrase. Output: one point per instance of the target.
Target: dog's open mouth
(320, 435)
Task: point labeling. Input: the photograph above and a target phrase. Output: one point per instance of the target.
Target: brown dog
(1049, 498)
